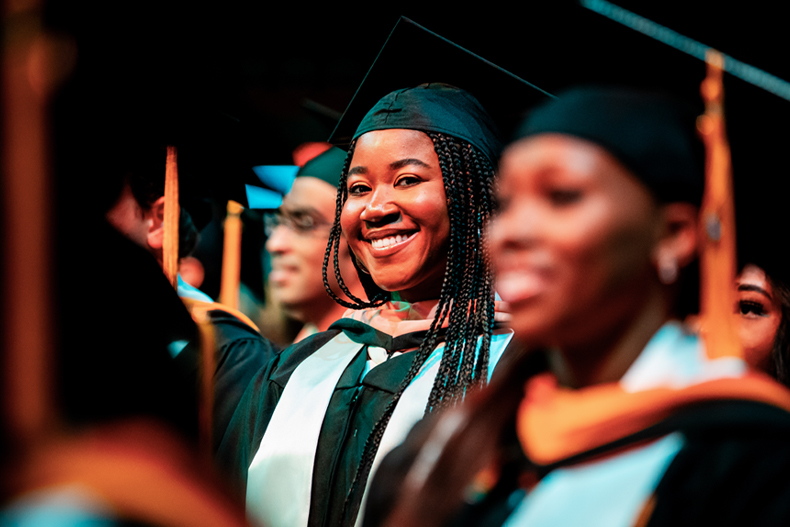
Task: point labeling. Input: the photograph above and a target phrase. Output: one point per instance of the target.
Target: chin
(531, 326)
(389, 283)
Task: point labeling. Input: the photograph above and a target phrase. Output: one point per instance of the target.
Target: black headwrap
(436, 107)
(653, 136)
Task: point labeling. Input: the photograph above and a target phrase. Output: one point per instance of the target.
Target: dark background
(273, 65)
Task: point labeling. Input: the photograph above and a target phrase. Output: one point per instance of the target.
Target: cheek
(314, 252)
(608, 253)
(350, 222)
(430, 210)
(757, 338)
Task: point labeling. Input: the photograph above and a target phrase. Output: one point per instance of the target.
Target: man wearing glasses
(297, 235)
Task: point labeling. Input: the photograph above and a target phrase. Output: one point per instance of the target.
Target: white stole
(280, 476)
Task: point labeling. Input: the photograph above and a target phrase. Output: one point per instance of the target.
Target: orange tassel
(172, 214)
(231, 257)
(717, 258)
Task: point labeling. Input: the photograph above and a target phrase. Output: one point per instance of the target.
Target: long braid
(333, 248)
(466, 301)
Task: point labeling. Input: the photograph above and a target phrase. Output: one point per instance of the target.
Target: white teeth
(389, 241)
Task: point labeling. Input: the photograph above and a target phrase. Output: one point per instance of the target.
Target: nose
(280, 240)
(380, 209)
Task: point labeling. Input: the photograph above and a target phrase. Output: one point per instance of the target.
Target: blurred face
(395, 218)
(298, 244)
(760, 313)
(129, 218)
(572, 240)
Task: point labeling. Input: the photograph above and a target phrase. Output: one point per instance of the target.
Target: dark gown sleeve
(735, 472)
(241, 352)
(239, 443)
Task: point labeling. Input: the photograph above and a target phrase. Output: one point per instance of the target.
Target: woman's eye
(407, 181)
(747, 307)
(564, 196)
(358, 188)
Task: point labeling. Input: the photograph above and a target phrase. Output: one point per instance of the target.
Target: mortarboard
(215, 157)
(413, 56)
(326, 166)
(277, 177)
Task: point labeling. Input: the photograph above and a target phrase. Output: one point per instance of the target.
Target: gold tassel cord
(718, 256)
(231, 257)
(30, 60)
(207, 367)
(172, 214)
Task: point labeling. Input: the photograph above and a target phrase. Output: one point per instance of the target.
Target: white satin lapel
(280, 477)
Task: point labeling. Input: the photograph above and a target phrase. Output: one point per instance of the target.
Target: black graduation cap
(413, 55)
(326, 166)
(215, 156)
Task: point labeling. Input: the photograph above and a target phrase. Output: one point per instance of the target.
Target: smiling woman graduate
(414, 198)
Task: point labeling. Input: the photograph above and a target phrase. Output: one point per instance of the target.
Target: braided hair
(466, 303)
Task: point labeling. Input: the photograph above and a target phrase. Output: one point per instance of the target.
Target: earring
(667, 270)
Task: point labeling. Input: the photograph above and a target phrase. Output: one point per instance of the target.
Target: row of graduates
(602, 407)
(605, 410)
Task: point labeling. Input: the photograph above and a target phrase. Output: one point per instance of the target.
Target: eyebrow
(755, 288)
(395, 165)
(308, 211)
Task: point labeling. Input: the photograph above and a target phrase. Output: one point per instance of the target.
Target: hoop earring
(667, 270)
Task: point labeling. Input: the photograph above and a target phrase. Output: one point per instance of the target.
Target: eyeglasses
(301, 223)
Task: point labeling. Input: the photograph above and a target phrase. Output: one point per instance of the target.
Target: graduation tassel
(172, 214)
(231, 257)
(207, 367)
(717, 258)
(717, 229)
(28, 79)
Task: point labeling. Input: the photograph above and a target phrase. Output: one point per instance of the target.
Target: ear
(156, 226)
(678, 238)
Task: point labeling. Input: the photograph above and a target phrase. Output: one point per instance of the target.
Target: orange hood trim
(556, 423)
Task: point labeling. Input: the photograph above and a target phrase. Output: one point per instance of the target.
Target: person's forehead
(753, 275)
(311, 194)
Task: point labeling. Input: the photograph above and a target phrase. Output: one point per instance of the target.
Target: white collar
(675, 357)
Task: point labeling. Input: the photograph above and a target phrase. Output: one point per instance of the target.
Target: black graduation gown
(732, 470)
(240, 352)
(356, 405)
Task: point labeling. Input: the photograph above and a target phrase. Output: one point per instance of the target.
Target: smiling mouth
(391, 241)
(521, 285)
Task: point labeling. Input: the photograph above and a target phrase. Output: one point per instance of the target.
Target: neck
(323, 318)
(605, 357)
